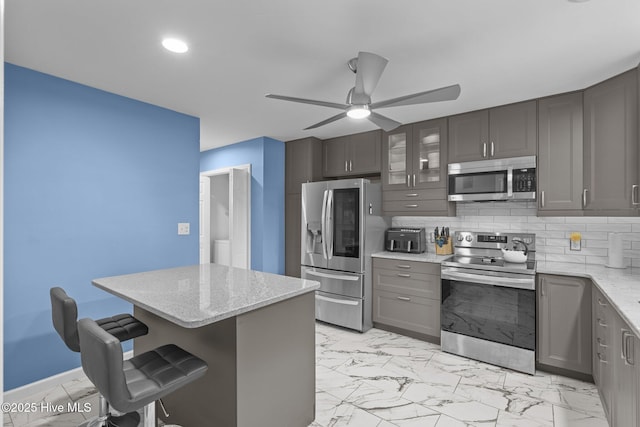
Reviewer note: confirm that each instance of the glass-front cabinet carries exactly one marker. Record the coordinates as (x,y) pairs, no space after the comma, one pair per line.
(412,156)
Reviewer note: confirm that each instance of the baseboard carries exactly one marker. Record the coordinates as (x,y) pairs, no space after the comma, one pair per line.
(19,394)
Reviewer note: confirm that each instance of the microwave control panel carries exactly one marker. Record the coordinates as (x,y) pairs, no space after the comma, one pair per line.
(524,180)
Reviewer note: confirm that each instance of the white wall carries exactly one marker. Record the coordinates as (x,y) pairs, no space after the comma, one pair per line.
(552,233)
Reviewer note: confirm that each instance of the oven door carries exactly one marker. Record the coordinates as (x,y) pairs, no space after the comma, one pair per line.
(492,306)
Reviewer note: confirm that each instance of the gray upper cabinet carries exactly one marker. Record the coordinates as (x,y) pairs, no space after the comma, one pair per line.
(414,172)
(501,132)
(303,163)
(468,136)
(513,130)
(560,155)
(611,146)
(351,155)
(564,322)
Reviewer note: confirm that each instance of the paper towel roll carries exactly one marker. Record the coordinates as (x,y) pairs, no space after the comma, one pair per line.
(616,253)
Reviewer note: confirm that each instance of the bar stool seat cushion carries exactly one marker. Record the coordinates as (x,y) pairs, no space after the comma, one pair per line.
(123,326)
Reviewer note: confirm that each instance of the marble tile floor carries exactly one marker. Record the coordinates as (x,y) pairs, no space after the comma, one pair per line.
(381,379)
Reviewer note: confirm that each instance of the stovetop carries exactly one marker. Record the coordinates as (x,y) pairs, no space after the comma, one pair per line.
(482,251)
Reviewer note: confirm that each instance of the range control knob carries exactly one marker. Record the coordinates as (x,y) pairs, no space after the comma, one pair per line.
(468,238)
(460,238)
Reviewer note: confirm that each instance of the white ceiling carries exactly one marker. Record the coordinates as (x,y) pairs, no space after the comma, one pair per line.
(499,51)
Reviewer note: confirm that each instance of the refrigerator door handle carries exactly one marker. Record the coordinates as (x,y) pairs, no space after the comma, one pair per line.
(323,224)
(330,224)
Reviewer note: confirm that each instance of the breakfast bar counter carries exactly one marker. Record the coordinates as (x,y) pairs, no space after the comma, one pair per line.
(255,330)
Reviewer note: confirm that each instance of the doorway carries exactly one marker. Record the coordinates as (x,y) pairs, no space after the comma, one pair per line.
(225,216)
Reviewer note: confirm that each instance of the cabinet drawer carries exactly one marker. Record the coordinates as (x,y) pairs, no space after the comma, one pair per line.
(415,207)
(410,195)
(405,282)
(413,313)
(407,266)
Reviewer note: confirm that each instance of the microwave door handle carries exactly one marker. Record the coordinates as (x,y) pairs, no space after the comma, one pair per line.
(509,182)
(323,224)
(330,224)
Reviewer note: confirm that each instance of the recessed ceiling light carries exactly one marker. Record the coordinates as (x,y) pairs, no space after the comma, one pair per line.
(175,45)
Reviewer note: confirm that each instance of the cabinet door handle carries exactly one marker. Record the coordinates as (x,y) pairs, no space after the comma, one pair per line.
(542,293)
(345,166)
(599,340)
(601,359)
(403,266)
(542,199)
(601,303)
(404,275)
(414,179)
(584,198)
(350,166)
(404,298)
(601,323)
(634,195)
(411,195)
(484,149)
(493,151)
(626,336)
(410,206)
(408,180)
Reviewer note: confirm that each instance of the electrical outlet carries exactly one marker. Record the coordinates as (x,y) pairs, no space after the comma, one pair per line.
(183,228)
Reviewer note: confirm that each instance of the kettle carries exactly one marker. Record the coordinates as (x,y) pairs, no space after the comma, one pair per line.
(514,255)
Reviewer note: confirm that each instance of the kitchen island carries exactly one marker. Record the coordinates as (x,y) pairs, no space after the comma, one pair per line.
(255,330)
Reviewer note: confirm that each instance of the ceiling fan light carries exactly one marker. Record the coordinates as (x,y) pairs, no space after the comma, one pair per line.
(358,111)
(175,45)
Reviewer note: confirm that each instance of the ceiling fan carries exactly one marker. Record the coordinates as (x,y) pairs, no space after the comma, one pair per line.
(368,68)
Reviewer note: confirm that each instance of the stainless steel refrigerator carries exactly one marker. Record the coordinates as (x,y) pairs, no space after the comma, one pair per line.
(342,225)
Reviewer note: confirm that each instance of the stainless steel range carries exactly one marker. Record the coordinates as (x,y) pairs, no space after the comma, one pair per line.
(488,310)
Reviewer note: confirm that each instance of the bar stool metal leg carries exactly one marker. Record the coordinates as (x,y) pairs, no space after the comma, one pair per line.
(149,416)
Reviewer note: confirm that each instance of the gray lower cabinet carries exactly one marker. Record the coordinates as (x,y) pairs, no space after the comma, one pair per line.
(611,146)
(564,322)
(616,370)
(303,163)
(603,349)
(560,155)
(352,155)
(406,295)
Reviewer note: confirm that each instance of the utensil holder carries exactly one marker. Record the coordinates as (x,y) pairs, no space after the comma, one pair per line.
(445,249)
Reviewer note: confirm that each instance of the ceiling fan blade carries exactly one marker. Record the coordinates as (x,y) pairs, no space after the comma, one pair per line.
(369,69)
(383,122)
(447,93)
(329,120)
(308,101)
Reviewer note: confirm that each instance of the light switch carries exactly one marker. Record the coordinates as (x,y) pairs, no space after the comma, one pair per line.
(183,228)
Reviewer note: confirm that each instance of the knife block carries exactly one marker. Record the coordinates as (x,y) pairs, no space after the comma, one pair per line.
(446,249)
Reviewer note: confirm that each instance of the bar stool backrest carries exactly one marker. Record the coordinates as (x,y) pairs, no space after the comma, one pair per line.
(102,362)
(64,313)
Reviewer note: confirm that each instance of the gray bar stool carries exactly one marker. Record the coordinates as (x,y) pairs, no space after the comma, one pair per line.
(130,385)
(64,314)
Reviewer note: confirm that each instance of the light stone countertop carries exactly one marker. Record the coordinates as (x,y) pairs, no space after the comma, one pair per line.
(620,286)
(199,295)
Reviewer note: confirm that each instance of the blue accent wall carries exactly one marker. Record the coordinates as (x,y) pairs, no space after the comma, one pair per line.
(266,156)
(95,184)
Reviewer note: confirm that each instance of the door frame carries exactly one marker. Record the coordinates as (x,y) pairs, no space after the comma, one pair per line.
(205,212)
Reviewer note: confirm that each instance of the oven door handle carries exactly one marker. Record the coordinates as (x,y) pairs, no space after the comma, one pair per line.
(507,282)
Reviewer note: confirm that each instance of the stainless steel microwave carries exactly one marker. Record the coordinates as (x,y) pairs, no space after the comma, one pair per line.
(497,179)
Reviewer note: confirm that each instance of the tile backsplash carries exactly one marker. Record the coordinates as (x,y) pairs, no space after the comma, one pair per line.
(552,233)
